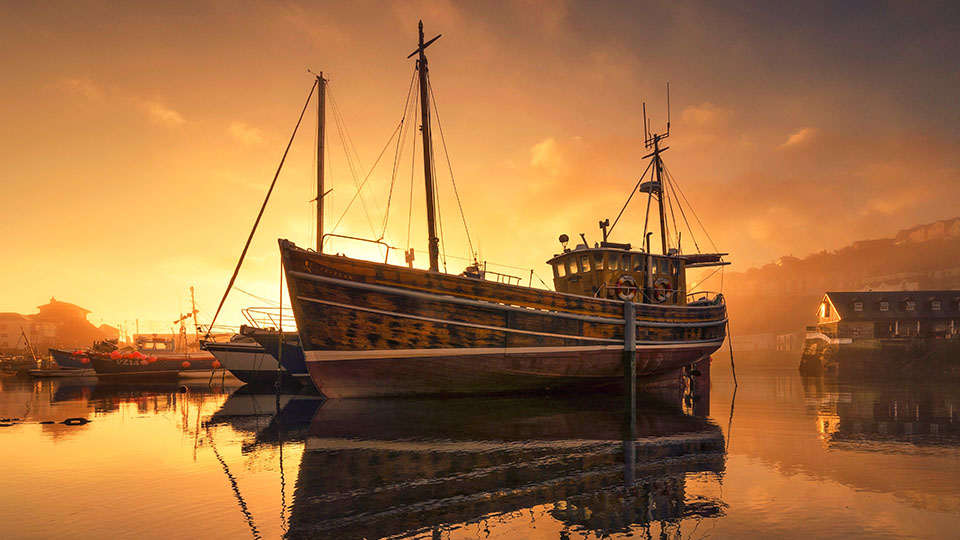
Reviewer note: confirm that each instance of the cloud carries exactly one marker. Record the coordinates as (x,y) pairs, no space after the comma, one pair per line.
(160,113)
(799,138)
(81,87)
(245,133)
(547,156)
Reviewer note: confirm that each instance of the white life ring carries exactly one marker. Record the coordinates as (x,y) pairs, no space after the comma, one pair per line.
(661,290)
(626,287)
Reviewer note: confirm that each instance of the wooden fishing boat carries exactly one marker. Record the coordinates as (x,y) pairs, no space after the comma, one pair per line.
(375,329)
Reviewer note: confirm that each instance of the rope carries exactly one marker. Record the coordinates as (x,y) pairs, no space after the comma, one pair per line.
(413,166)
(345,141)
(360,187)
(632,192)
(443,141)
(673,216)
(262,208)
(673,183)
(704,229)
(396,155)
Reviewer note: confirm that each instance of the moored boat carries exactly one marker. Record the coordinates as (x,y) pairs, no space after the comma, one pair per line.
(291,357)
(243,357)
(374,329)
(138,365)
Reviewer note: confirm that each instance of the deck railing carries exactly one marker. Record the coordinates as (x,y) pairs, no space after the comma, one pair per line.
(270,318)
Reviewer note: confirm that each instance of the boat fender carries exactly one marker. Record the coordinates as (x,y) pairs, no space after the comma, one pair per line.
(661,290)
(626,287)
(75,421)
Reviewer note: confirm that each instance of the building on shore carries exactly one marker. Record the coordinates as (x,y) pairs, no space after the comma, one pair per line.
(869,317)
(57,324)
(867,326)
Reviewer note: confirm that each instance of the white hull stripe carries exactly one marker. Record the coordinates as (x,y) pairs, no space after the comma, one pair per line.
(455,323)
(433,297)
(325,356)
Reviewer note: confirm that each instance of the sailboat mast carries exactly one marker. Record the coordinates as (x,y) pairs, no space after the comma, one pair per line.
(321,136)
(658,170)
(434,241)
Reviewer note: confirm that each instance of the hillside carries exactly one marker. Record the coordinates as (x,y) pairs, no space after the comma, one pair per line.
(782,297)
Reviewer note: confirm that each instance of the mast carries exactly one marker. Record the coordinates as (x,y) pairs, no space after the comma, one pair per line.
(658,170)
(193,311)
(321,135)
(433,240)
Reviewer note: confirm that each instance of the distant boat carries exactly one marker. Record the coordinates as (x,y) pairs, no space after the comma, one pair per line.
(375,329)
(248,361)
(77,359)
(136,364)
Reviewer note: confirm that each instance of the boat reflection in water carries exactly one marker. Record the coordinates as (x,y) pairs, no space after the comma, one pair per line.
(376,468)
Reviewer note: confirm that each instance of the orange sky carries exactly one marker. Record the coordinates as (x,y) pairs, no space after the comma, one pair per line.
(138,139)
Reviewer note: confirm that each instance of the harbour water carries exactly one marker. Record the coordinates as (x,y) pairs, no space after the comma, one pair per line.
(782,457)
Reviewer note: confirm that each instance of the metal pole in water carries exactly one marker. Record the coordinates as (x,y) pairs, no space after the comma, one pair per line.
(630,381)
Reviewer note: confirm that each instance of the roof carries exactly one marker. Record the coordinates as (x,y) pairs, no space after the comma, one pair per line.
(843,303)
(54,303)
(9,316)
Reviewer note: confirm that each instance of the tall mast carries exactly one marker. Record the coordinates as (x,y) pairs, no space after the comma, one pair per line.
(658,170)
(434,241)
(193,311)
(321,135)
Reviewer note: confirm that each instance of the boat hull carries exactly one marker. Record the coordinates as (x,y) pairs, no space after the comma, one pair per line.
(292,358)
(67,360)
(370,329)
(248,362)
(168,367)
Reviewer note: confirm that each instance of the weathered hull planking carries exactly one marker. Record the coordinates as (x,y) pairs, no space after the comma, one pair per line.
(370,329)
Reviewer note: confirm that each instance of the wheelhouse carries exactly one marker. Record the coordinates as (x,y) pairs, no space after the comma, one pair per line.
(621,274)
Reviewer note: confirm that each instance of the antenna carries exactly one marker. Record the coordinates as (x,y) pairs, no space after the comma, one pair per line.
(649,137)
(668,108)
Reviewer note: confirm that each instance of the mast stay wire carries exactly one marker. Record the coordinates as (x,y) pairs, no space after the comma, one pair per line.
(397,153)
(693,211)
(364,183)
(673,216)
(632,193)
(446,153)
(413,165)
(263,207)
(682,213)
(345,141)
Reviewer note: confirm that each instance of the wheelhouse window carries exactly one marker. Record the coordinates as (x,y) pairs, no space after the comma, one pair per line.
(626,262)
(858,306)
(598,261)
(573,268)
(585,263)
(613,261)
(884,305)
(560,269)
(637,263)
(664,267)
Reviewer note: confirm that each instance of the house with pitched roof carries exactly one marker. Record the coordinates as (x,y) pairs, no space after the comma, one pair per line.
(870,317)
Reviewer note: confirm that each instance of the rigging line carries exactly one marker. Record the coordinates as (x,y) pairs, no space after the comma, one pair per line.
(443,141)
(352,144)
(413,164)
(694,214)
(630,197)
(262,208)
(353,169)
(673,184)
(251,295)
(436,197)
(672,215)
(364,183)
(396,155)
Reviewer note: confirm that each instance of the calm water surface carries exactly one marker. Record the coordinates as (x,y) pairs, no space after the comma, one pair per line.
(784,457)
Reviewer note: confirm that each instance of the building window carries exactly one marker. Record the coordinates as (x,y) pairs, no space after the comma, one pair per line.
(911,305)
(858,306)
(824,310)
(935,305)
(884,305)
